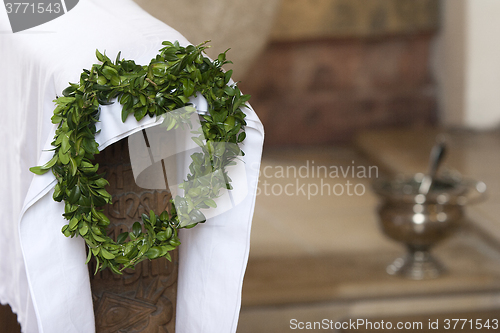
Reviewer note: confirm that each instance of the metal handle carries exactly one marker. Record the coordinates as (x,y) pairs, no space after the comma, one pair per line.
(435,159)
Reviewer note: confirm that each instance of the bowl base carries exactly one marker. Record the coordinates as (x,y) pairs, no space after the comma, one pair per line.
(416,265)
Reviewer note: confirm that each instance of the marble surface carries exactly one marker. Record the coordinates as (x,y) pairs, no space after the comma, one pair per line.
(344,277)
(326,212)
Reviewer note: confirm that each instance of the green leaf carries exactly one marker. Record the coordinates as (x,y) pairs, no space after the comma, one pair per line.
(73,223)
(122,260)
(154,252)
(188,88)
(50,163)
(102,217)
(103,193)
(83,230)
(136,229)
(63,101)
(172,123)
(69,90)
(198,142)
(106,254)
(229,123)
(162,236)
(74,195)
(125,113)
(197,216)
(89,256)
(229,91)
(101,182)
(38,170)
(241,137)
(102,80)
(65,230)
(227,76)
(167,248)
(164,216)
(140,113)
(116,80)
(117,60)
(73,166)
(90,145)
(56,119)
(152,217)
(210,203)
(99,55)
(143,250)
(174,242)
(109,72)
(63,157)
(99,238)
(122,237)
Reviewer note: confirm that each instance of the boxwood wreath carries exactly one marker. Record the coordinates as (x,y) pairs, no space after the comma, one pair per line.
(166,84)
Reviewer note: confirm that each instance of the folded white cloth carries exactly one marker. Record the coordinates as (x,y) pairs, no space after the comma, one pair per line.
(43,275)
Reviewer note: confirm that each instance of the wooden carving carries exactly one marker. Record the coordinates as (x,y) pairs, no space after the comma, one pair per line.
(142,299)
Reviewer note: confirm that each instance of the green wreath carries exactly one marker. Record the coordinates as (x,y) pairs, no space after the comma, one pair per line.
(166,84)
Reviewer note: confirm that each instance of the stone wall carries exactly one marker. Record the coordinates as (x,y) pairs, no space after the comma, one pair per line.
(300,19)
(336,67)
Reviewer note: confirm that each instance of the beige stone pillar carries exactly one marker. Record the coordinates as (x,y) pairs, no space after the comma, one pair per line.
(241,25)
(467,63)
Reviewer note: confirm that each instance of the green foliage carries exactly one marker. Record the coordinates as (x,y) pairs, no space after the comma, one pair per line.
(166,84)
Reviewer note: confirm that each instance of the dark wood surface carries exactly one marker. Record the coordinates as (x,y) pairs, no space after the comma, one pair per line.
(142,299)
(8,320)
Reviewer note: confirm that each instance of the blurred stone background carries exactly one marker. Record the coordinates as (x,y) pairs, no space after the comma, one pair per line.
(335,67)
(319,71)
(299,19)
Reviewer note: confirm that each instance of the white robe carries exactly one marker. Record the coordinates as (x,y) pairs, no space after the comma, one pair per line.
(43,275)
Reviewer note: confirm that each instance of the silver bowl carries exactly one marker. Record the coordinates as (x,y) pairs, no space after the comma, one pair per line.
(421,221)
